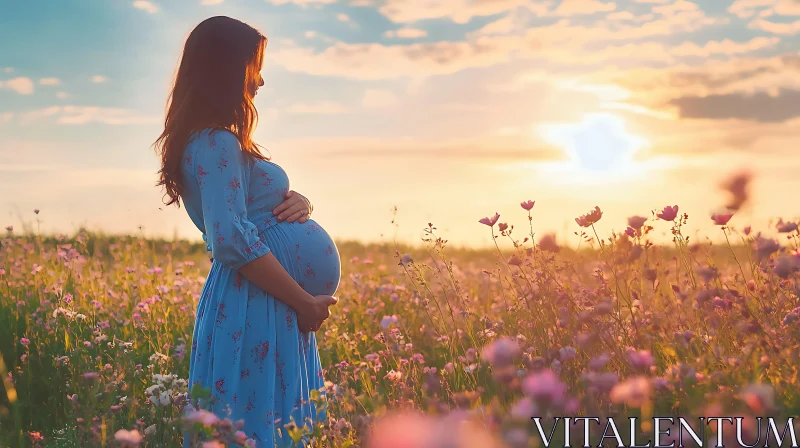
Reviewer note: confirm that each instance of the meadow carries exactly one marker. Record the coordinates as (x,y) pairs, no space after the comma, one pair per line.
(458,348)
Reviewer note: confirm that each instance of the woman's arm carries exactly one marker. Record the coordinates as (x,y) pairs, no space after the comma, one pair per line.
(222,171)
(268,274)
(295,207)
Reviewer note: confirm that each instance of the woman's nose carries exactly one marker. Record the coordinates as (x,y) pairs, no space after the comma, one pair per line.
(261,82)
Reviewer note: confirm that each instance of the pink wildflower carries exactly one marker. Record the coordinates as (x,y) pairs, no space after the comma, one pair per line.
(394,375)
(737,185)
(721,219)
(490,221)
(387,321)
(35,437)
(634,392)
(501,352)
(128,438)
(760,397)
(640,359)
(590,218)
(470,354)
(599,361)
(567,353)
(524,409)
(636,222)
(669,213)
(601,381)
(548,243)
(202,416)
(401,431)
(528,205)
(786,227)
(545,385)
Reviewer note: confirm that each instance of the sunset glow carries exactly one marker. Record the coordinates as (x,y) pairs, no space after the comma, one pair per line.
(371,106)
(598,144)
(469,222)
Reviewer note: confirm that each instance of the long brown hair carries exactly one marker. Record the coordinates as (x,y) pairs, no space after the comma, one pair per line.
(221,59)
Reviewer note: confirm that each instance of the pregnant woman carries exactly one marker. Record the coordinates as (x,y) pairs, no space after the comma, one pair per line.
(271,279)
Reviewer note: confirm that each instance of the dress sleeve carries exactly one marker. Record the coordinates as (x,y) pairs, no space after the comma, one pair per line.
(221,171)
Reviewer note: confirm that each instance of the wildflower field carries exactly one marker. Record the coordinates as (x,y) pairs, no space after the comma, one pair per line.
(460,348)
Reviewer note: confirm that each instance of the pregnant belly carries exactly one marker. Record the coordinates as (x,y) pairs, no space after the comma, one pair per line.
(308,253)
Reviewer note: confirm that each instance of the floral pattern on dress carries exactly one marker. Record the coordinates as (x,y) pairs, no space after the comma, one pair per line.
(247,348)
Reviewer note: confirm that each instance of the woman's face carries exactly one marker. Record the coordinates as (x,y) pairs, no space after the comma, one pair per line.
(255,86)
(258,82)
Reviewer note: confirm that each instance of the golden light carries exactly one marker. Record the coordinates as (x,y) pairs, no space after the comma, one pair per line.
(599,144)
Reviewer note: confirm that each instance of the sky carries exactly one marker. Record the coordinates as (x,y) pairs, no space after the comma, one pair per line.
(418,111)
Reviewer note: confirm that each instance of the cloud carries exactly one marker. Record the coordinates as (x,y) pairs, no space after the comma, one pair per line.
(758,89)
(62,95)
(375,61)
(740,75)
(8,69)
(321,108)
(77,115)
(726,47)
(378,99)
(344,18)
(757,107)
(459,11)
(502,26)
(516,21)
(560,42)
(776,28)
(6,117)
(146,6)
(211,2)
(302,3)
(97,79)
(583,7)
(49,81)
(21,85)
(748,8)
(787,8)
(663,84)
(621,15)
(406,33)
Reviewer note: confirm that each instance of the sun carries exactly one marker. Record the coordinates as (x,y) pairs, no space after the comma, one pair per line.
(599,144)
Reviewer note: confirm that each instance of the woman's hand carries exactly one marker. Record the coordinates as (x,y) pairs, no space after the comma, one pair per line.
(294,207)
(311,317)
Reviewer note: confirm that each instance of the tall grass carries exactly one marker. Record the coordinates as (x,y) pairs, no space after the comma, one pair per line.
(94,330)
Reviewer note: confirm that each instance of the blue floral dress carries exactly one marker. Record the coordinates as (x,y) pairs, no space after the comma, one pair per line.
(246,346)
